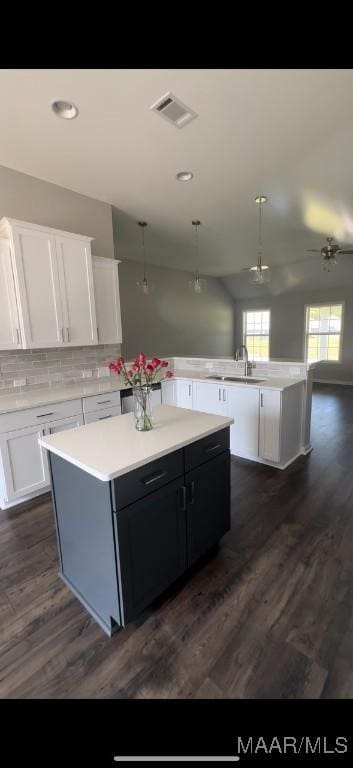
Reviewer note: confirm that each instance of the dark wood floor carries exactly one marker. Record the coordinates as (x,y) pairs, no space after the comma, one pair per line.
(268,615)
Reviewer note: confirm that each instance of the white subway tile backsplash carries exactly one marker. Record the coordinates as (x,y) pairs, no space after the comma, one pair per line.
(49,366)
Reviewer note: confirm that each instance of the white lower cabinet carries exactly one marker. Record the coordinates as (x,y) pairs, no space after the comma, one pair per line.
(169,392)
(24,462)
(270,424)
(102,414)
(63,424)
(210,397)
(243,406)
(184,393)
(24,469)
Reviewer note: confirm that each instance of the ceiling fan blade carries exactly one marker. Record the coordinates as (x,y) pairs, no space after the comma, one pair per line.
(246,269)
(313,250)
(344,251)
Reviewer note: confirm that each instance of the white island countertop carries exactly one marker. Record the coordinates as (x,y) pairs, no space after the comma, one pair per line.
(108,449)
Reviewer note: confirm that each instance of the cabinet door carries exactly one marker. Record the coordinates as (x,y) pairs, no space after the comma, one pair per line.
(76,287)
(169,392)
(208,508)
(36,275)
(184,397)
(10,337)
(211,398)
(107,300)
(62,424)
(151,547)
(243,406)
(270,424)
(25,464)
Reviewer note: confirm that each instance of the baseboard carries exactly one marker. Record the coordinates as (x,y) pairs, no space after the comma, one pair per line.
(333,381)
(30,496)
(258,460)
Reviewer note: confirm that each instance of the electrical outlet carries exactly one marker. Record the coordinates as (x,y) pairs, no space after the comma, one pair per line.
(87,374)
(103,371)
(20,382)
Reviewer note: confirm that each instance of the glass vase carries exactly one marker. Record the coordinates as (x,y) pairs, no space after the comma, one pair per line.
(143,408)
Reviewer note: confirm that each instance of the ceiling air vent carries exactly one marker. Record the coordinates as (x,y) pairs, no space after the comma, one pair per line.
(173,110)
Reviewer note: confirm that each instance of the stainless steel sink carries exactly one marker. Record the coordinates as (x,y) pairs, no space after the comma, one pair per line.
(245,379)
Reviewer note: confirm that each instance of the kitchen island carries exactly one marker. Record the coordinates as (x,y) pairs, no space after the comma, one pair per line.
(135,510)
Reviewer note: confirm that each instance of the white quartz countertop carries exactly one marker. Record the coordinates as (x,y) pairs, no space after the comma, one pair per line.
(108,449)
(265,382)
(55,394)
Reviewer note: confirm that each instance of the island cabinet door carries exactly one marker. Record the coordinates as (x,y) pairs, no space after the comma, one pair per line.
(208,505)
(151,547)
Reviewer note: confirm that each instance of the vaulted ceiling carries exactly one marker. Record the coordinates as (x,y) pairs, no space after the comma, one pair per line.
(286,133)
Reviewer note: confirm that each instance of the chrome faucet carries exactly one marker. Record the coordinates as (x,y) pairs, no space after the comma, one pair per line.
(239,355)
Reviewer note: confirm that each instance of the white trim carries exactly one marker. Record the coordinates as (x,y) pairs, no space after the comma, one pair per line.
(324,304)
(259,460)
(6,222)
(333,381)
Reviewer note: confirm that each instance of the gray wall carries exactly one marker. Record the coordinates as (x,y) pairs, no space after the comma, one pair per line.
(30,199)
(287,327)
(173,320)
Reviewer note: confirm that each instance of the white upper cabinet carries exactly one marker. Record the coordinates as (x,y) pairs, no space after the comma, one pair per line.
(10,335)
(36,277)
(52,288)
(76,288)
(107,300)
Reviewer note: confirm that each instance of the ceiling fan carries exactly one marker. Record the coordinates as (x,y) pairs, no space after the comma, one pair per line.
(329,253)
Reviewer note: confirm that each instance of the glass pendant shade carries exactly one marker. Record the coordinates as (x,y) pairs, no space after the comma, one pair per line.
(260,273)
(144,286)
(197,284)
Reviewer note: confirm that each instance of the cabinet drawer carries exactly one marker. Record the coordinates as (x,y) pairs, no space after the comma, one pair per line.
(142,481)
(205,449)
(104,413)
(39,415)
(96,402)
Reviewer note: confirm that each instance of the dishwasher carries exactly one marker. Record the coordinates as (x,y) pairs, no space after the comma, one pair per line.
(127,398)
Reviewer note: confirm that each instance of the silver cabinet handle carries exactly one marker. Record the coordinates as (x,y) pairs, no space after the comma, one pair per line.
(261,400)
(62,335)
(213,448)
(68,334)
(101,418)
(224,395)
(18,336)
(102,402)
(40,415)
(219,394)
(192,492)
(183,498)
(97,333)
(154,478)
(189,390)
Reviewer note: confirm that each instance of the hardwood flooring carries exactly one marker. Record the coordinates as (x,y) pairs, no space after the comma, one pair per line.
(266,615)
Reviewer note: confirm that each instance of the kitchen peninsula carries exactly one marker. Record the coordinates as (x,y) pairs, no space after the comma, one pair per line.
(134,510)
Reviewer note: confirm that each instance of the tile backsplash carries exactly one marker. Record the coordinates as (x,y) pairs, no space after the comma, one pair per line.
(44,367)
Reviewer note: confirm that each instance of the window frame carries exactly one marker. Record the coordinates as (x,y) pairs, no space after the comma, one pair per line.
(317,305)
(244,334)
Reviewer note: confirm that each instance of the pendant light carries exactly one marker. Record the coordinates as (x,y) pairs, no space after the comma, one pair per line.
(143,286)
(197,284)
(260,273)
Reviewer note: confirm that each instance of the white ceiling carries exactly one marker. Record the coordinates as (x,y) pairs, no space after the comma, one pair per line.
(287,133)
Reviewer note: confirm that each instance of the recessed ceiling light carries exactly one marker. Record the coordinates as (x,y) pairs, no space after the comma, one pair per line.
(184,176)
(64,109)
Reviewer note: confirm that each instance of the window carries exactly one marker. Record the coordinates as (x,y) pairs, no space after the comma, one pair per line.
(256,332)
(323,332)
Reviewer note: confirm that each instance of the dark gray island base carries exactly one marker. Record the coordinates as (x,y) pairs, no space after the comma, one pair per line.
(123,542)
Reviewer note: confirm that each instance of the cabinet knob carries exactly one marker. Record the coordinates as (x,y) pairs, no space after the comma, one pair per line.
(261,400)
